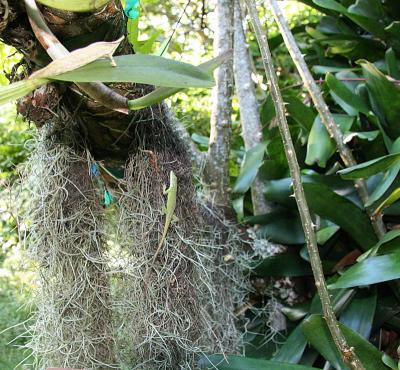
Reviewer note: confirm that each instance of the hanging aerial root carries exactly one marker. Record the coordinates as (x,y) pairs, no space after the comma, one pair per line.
(183,306)
(73,321)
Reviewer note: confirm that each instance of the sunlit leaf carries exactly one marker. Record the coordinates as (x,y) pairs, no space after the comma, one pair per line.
(146,69)
(75,5)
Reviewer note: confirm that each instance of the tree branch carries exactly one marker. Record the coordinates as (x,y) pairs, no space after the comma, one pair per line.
(340,341)
(96,90)
(249,114)
(216,169)
(325,114)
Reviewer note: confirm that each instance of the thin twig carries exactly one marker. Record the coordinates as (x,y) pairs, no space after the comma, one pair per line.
(340,341)
(96,90)
(325,114)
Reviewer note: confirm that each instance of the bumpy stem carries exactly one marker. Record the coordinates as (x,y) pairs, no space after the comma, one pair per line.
(322,108)
(338,337)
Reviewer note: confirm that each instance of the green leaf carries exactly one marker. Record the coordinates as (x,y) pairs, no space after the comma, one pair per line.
(386,94)
(392,198)
(388,237)
(369,168)
(342,212)
(19,89)
(384,184)
(281,226)
(320,146)
(341,90)
(359,314)
(293,349)
(161,93)
(221,362)
(252,161)
(238,206)
(317,332)
(146,69)
(373,270)
(288,264)
(392,64)
(301,113)
(75,5)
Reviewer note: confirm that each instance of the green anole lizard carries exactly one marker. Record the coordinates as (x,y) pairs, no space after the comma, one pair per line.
(169,213)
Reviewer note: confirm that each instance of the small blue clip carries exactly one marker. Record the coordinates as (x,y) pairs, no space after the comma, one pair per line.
(94,170)
(132,9)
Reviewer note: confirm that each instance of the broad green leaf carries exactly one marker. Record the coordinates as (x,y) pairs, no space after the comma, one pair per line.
(19,89)
(366,22)
(301,113)
(75,5)
(385,93)
(288,264)
(359,314)
(317,332)
(342,212)
(320,146)
(281,226)
(293,349)
(392,64)
(146,69)
(161,93)
(390,362)
(252,161)
(370,168)
(384,184)
(373,270)
(341,90)
(238,206)
(326,233)
(297,311)
(388,237)
(221,362)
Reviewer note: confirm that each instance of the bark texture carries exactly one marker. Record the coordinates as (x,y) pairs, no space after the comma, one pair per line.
(217,165)
(249,114)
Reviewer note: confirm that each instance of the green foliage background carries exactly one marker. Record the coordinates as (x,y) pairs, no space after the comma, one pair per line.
(353,47)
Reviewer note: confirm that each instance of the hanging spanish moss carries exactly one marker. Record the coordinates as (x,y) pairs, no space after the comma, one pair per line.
(180,305)
(65,222)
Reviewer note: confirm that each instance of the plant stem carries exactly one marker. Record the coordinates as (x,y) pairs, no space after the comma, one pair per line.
(323,109)
(340,341)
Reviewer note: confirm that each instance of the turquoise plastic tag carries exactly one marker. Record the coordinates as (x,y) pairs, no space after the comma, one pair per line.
(132,9)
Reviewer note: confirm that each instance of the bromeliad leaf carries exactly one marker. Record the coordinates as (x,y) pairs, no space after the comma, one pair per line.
(373,270)
(19,89)
(146,69)
(75,5)
(221,362)
(370,168)
(253,160)
(316,331)
(161,93)
(320,146)
(342,212)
